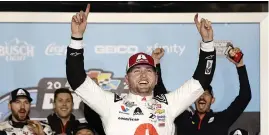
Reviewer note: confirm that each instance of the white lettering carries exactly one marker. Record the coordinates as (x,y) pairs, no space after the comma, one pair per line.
(53,49)
(168,48)
(48,101)
(141,57)
(16,50)
(115,49)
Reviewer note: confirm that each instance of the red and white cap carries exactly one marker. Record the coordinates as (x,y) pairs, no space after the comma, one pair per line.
(140,58)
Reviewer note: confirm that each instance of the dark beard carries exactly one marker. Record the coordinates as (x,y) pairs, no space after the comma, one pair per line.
(16,116)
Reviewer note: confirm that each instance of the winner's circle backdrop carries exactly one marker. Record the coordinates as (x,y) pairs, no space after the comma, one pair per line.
(32,56)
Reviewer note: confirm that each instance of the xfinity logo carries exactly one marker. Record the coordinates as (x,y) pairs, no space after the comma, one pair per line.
(168,48)
(115,49)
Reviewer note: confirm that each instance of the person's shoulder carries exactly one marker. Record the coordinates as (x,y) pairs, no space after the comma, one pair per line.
(4,123)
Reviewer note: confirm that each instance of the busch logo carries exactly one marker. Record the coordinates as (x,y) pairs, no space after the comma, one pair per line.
(53,49)
(16,50)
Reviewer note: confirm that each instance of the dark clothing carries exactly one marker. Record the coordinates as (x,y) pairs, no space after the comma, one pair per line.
(3,133)
(217,123)
(57,126)
(205,69)
(159,88)
(94,119)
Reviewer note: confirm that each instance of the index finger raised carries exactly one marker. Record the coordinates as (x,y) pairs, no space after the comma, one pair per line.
(196,19)
(87,11)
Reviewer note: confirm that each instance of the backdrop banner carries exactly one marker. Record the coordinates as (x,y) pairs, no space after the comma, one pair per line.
(32,56)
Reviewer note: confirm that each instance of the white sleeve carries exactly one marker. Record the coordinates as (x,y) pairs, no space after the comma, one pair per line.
(95,97)
(89,92)
(180,99)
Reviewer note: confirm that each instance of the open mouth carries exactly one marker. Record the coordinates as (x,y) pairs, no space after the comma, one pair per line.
(22,111)
(143,82)
(201,103)
(63,109)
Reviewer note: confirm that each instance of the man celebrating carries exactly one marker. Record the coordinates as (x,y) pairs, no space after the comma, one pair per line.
(206,122)
(62,121)
(19,123)
(94,119)
(139,112)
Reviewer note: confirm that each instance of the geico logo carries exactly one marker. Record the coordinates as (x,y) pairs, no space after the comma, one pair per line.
(121,49)
(53,49)
(49,97)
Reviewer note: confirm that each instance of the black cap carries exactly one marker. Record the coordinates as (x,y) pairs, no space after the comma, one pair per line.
(209,89)
(239,131)
(83,126)
(20,92)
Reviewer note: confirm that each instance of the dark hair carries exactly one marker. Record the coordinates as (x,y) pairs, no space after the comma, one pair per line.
(62,90)
(81,126)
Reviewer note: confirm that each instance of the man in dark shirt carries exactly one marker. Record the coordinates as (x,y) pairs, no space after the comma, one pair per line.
(206,122)
(62,121)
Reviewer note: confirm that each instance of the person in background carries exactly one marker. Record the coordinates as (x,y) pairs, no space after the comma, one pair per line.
(62,121)
(19,122)
(206,122)
(84,129)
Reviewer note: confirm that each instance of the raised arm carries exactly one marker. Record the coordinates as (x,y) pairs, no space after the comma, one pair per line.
(240,103)
(157,54)
(84,86)
(180,99)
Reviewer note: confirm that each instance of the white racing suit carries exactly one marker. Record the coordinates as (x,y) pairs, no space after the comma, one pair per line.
(13,128)
(133,114)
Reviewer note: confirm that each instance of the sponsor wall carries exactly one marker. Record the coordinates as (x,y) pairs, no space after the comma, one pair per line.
(32,56)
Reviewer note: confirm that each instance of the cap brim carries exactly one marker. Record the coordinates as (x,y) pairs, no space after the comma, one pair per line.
(142,63)
(29,98)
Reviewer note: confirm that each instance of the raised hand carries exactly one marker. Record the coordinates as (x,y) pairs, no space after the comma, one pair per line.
(79,23)
(157,54)
(232,53)
(205,29)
